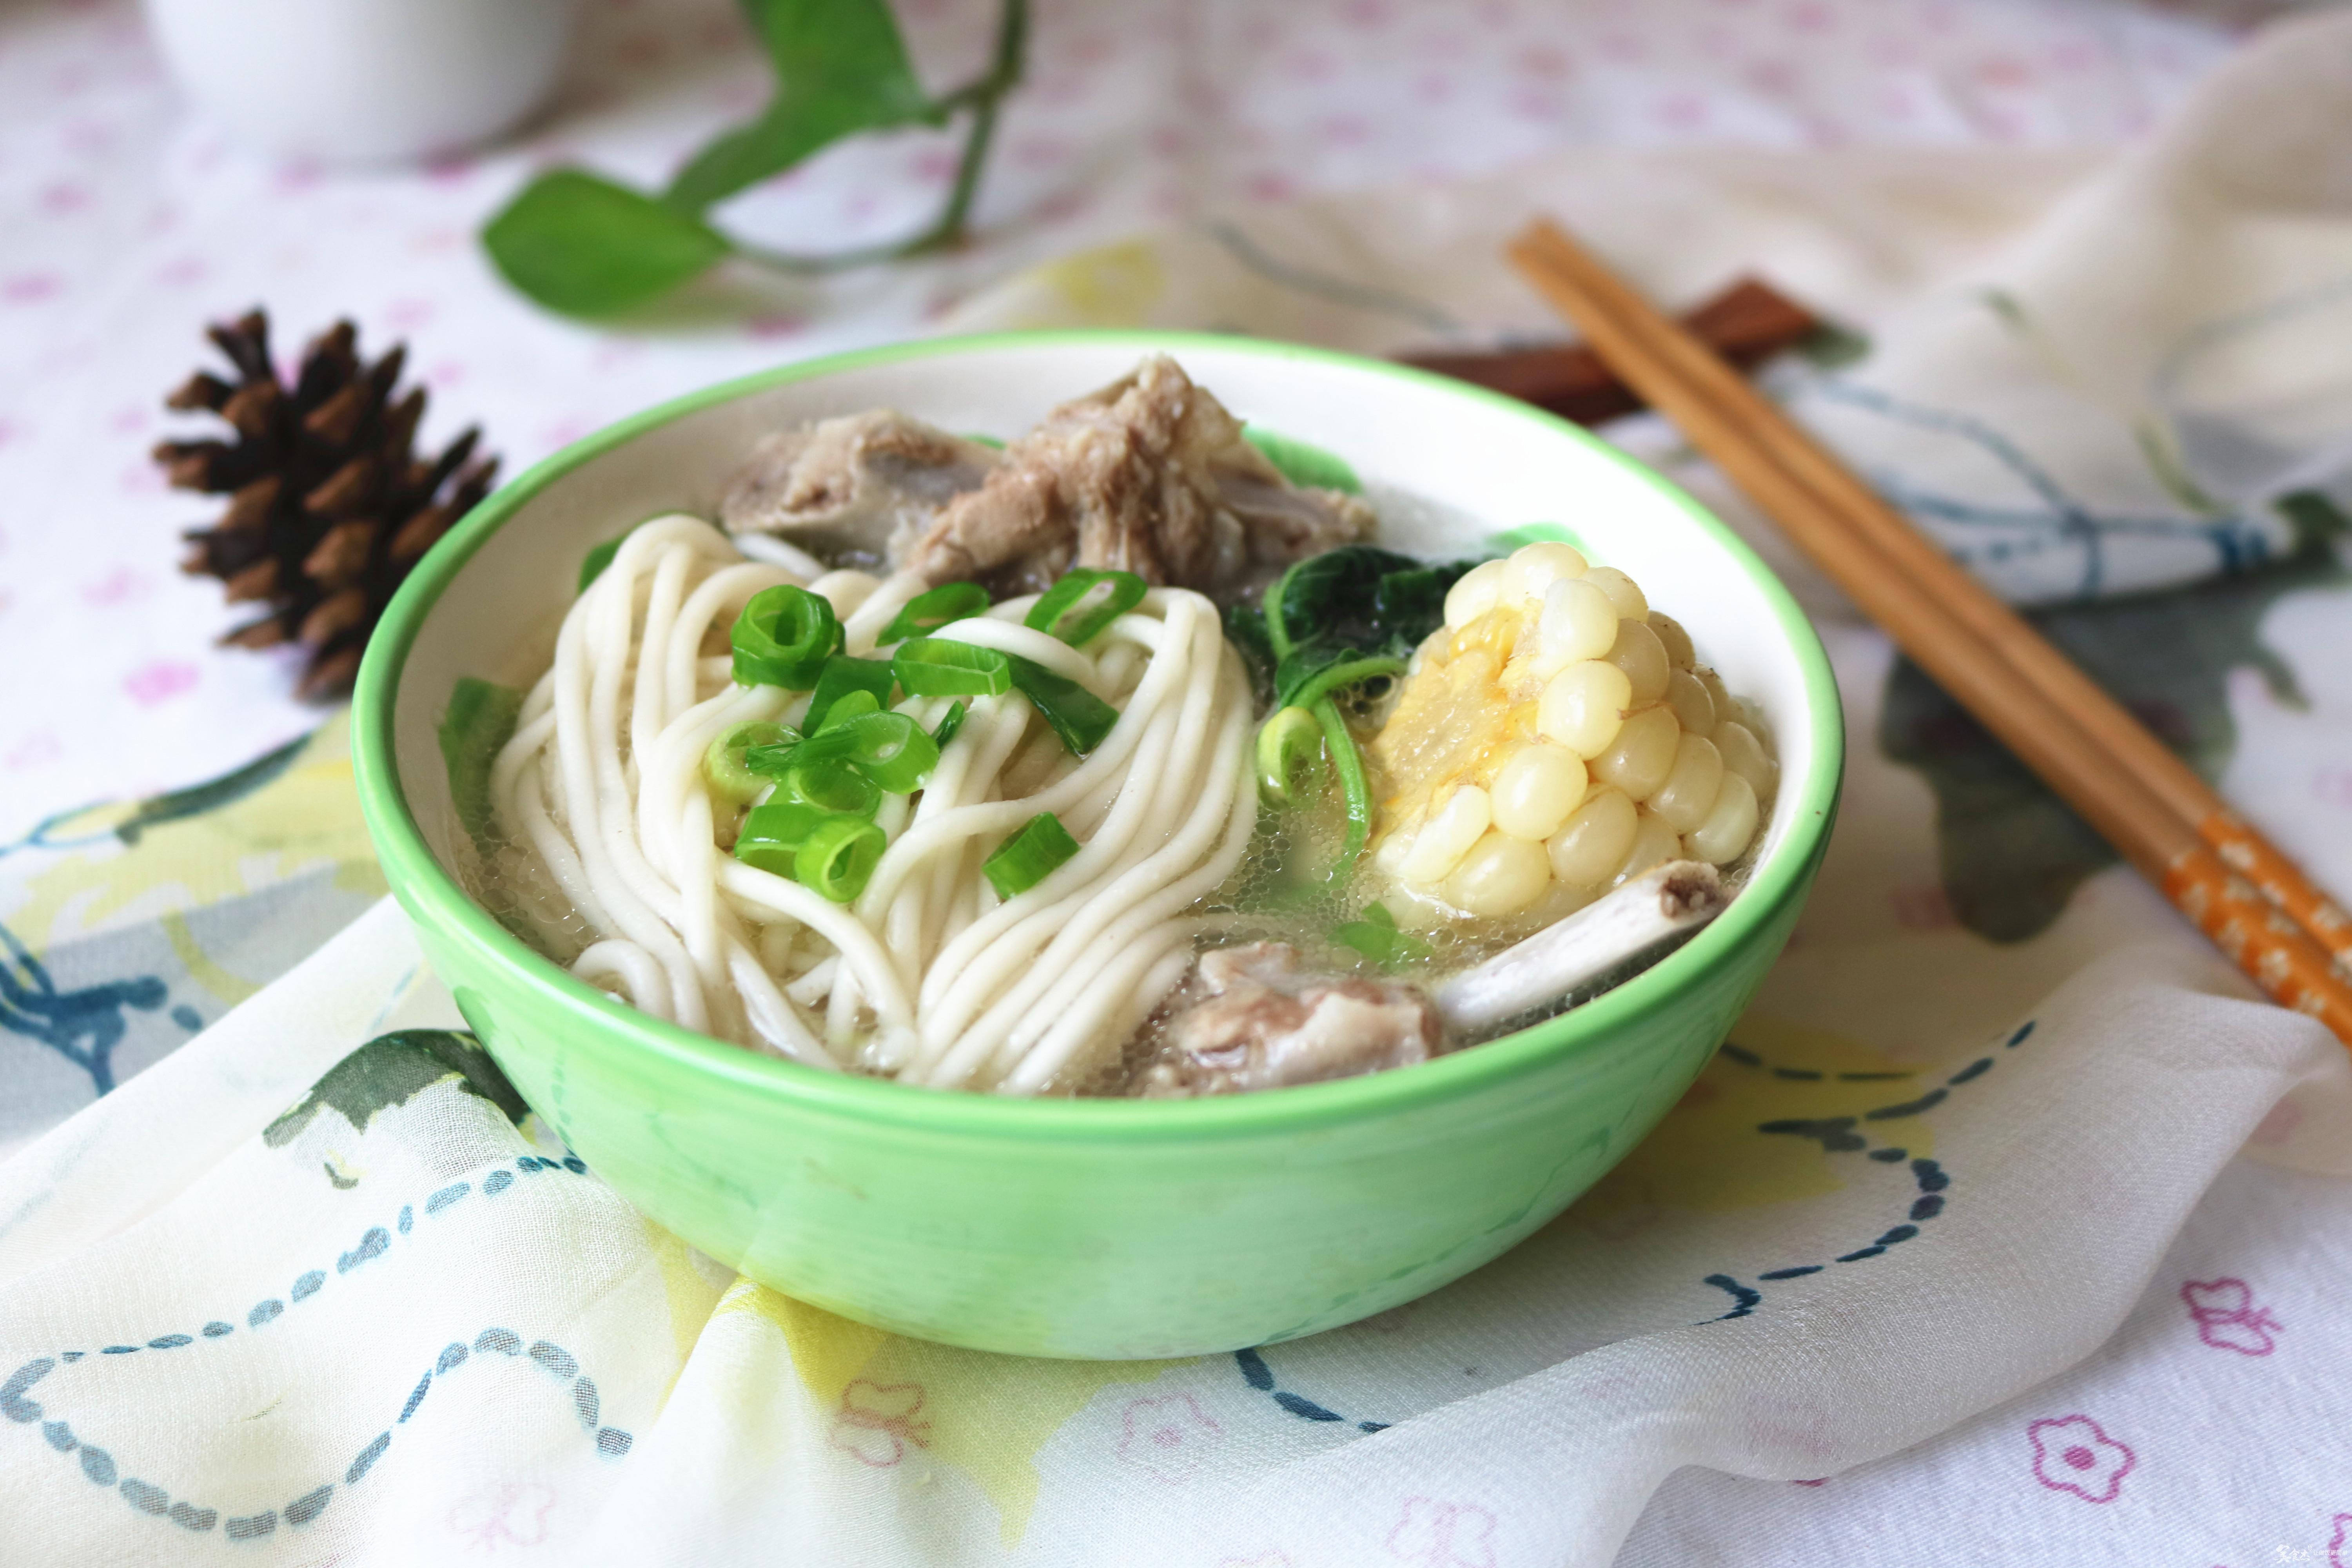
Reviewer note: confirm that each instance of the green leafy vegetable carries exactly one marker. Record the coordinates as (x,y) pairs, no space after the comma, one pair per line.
(1030,856)
(783,637)
(842,677)
(1331,626)
(1356,604)
(1304,465)
(935,666)
(723,765)
(578,243)
(1290,758)
(927,612)
(1354,787)
(481,722)
(1077,609)
(1078,715)
(1377,938)
(592,564)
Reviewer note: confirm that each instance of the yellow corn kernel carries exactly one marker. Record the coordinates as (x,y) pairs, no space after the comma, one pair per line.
(1583,706)
(1500,876)
(1744,754)
(1537,789)
(1654,844)
(1725,705)
(1694,709)
(1723,837)
(1578,622)
(1594,841)
(1679,651)
(1689,794)
(1621,590)
(1447,835)
(1533,568)
(1639,759)
(1473,594)
(1638,652)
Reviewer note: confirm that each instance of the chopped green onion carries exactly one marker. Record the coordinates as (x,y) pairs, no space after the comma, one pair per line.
(1078,715)
(1030,856)
(723,765)
(783,637)
(481,722)
(837,857)
(830,783)
(1298,685)
(927,612)
(773,834)
(1377,938)
(889,748)
(936,666)
(1083,603)
(949,723)
(1289,755)
(842,677)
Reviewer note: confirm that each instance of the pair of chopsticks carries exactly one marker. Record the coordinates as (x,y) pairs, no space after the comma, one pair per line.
(2244,894)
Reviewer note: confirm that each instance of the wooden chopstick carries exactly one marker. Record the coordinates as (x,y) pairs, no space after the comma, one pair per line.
(2155,809)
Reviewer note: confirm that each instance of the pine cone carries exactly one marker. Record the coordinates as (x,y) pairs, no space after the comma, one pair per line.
(329,506)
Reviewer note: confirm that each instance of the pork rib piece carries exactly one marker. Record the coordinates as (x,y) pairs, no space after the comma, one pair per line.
(1148,474)
(1247,1019)
(860,489)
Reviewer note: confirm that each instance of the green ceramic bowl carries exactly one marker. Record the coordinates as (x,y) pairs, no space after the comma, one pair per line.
(1095,1228)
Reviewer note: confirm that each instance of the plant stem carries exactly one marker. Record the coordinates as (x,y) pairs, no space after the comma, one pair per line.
(984,97)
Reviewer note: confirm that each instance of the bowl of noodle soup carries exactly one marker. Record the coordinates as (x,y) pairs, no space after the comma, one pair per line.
(1015,1221)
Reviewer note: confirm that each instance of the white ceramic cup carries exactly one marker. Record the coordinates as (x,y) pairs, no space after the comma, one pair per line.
(363,81)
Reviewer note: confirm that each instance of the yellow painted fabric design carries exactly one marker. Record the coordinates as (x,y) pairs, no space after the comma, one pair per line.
(305,817)
(1708,1155)
(1115,286)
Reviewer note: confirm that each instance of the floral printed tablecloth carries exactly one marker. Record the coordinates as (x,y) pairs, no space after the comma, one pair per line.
(1951,1254)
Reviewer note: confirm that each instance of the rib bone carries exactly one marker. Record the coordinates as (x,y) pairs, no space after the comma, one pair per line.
(1657,907)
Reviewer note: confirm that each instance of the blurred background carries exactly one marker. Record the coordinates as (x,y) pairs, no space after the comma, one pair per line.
(165,167)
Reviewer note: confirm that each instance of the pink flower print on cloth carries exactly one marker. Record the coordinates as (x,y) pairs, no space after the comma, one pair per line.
(2339,1545)
(1439,1534)
(2227,1317)
(2071,1454)
(876,1421)
(1168,1437)
(513,1513)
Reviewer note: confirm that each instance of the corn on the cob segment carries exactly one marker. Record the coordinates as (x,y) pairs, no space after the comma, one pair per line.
(1554,738)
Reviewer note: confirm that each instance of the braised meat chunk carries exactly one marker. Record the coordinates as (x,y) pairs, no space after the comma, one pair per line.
(859,490)
(1149,475)
(1248,1019)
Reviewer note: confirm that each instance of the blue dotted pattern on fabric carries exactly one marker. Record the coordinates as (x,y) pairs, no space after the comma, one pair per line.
(99,1465)
(1845,1135)
(1258,1375)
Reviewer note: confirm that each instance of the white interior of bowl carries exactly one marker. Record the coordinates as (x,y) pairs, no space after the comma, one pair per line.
(1490,467)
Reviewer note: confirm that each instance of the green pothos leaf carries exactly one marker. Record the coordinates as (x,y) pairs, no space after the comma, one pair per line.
(2011,852)
(578,242)
(389,1070)
(841,68)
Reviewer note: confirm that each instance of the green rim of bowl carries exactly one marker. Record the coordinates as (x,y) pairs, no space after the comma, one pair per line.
(431,894)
